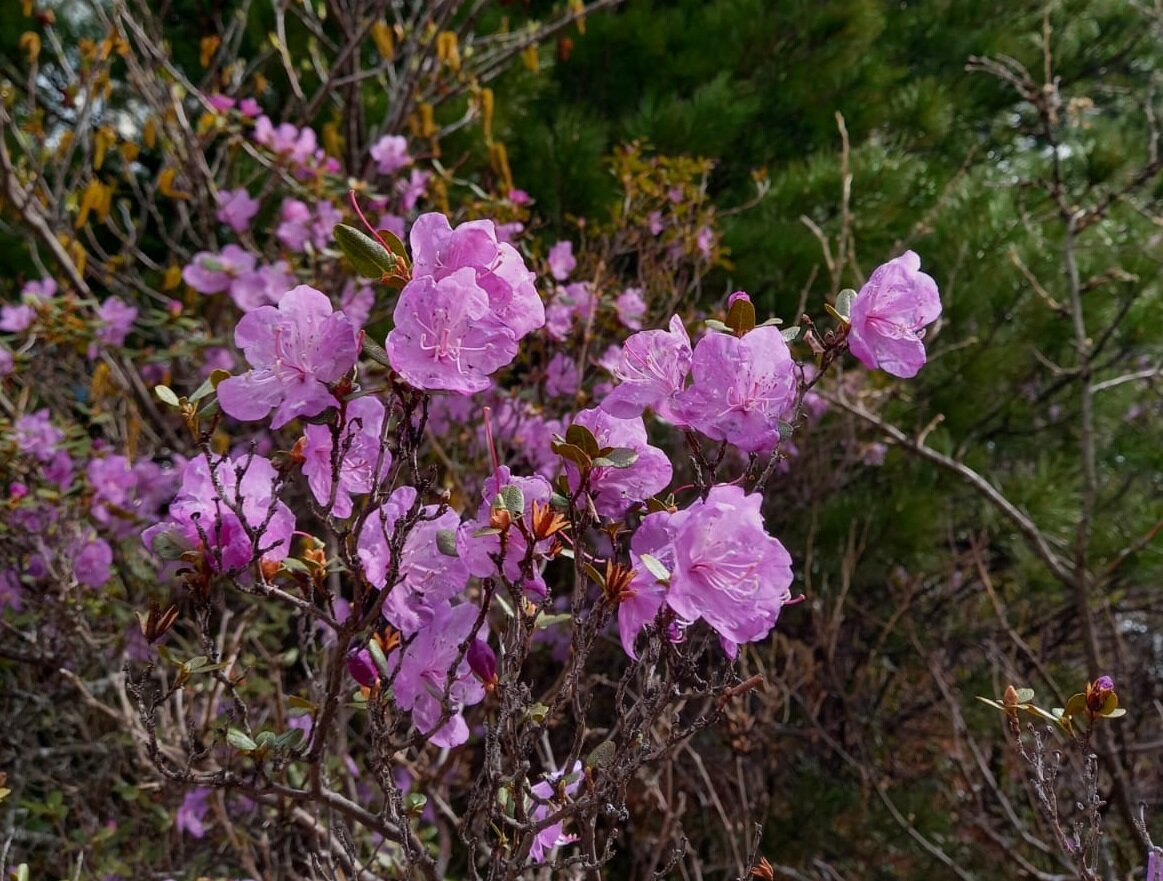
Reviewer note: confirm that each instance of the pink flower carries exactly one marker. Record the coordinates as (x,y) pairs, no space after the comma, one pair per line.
(14,319)
(447,337)
(641,602)
(390,153)
(424,673)
(561,260)
(630,308)
(547,792)
(726,569)
(38,291)
(705,240)
(357,300)
(479,552)
(296,144)
(236,209)
(116,317)
(561,376)
(36,435)
(93,561)
(249,107)
(652,369)
(221,103)
(204,519)
(655,222)
(7,361)
(264,286)
(191,816)
(889,313)
(615,489)
(210,273)
(426,576)
(412,189)
(296,349)
(360,439)
(438,250)
(742,388)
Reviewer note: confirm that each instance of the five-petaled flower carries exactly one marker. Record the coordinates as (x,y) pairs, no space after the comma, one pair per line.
(297,350)
(896,303)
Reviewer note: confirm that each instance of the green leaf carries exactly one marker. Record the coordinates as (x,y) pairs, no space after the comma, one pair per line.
(206,388)
(584,439)
(368,257)
(167,395)
(601,755)
(655,567)
(377,653)
(240,740)
(446,542)
(1025,695)
(716,324)
(538,713)
(486,530)
(791,334)
(376,352)
(544,622)
(414,802)
(741,316)
(620,457)
(291,739)
(844,301)
(574,453)
(513,499)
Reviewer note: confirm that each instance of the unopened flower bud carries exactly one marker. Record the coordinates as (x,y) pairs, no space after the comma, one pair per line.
(483,662)
(1010,697)
(1097,693)
(362,668)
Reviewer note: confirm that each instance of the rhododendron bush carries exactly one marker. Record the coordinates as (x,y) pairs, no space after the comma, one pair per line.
(396,534)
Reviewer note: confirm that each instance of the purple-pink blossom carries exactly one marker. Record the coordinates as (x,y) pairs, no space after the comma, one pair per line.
(210,273)
(631,308)
(36,435)
(561,260)
(116,317)
(889,314)
(425,577)
(296,350)
(614,490)
(390,153)
(438,250)
(724,569)
(548,794)
(447,336)
(359,441)
(424,676)
(651,370)
(286,140)
(205,517)
(191,816)
(742,389)
(236,209)
(263,286)
(16,318)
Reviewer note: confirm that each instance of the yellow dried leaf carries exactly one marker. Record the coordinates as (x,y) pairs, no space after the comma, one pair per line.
(427,120)
(30,43)
(173,277)
(447,50)
(578,8)
(332,142)
(149,134)
(499,157)
(385,40)
(102,141)
(129,151)
(209,47)
(488,102)
(531,59)
(101,386)
(165,185)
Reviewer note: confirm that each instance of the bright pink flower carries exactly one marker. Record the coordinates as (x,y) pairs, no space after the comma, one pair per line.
(561,376)
(202,518)
(14,319)
(296,349)
(615,489)
(438,250)
(447,337)
(286,140)
(426,576)
(424,673)
(263,286)
(36,435)
(725,569)
(742,388)
(561,260)
(210,273)
(547,791)
(92,561)
(652,369)
(630,308)
(116,317)
(390,153)
(191,816)
(38,291)
(360,438)
(412,189)
(888,315)
(236,209)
